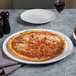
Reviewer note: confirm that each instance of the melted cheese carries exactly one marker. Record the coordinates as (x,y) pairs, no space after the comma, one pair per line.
(39,43)
(26,37)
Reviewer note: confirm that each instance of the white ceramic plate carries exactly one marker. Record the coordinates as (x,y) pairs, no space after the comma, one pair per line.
(38,16)
(67,51)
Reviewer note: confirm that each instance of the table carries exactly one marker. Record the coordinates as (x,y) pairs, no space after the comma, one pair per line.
(65,67)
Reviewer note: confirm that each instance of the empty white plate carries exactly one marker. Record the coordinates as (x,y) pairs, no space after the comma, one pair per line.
(67,51)
(38,16)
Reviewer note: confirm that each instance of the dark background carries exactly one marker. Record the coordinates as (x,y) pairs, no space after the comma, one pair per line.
(11,4)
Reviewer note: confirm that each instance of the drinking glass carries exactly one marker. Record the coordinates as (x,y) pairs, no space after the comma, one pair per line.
(59,5)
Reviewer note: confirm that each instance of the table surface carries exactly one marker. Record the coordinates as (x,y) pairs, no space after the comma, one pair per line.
(64,23)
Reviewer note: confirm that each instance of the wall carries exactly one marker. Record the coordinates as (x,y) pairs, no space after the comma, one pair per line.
(41,3)
(33,3)
(6,4)
(70,3)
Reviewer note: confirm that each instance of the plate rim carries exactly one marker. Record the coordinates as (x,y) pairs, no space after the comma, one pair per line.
(6,51)
(39,22)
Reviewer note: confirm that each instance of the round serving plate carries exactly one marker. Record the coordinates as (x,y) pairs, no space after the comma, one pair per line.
(67,51)
(38,16)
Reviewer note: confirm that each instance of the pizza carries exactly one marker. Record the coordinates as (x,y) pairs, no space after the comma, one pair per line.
(36,45)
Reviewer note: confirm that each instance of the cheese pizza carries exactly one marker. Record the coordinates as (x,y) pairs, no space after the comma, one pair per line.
(36,45)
